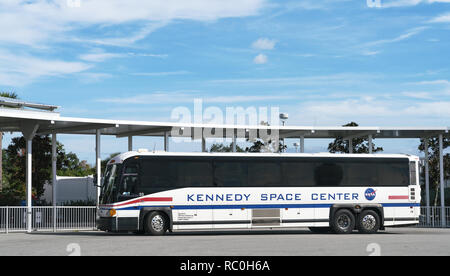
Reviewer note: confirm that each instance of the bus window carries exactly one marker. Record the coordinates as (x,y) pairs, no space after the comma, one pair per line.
(230,174)
(264,174)
(158,175)
(328,174)
(298,174)
(394,173)
(360,174)
(196,174)
(130,181)
(110,182)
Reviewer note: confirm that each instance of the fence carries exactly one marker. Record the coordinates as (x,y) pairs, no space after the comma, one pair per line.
(434,219)
(60,218)
(14,219)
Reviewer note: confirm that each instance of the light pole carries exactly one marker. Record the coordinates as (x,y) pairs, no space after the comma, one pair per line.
(296,147)
(283,118)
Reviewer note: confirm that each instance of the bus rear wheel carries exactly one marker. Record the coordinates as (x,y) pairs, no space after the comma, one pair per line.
(343,222)
(368,222)
(156,223)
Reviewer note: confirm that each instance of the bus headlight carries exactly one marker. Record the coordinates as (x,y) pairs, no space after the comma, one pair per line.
(112,212)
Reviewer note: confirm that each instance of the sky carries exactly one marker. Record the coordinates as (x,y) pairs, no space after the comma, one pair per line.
(324,62)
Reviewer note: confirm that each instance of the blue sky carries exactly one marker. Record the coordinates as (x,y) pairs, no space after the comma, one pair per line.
(324,62)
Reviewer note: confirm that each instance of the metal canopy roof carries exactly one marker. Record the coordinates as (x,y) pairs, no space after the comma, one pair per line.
(14,120)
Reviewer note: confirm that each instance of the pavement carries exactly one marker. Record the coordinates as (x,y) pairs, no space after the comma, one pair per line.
(297,242)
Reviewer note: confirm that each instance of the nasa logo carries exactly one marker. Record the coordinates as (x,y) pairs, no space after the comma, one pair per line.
(370,194)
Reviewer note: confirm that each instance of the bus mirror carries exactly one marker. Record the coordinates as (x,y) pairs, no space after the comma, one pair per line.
(95,181)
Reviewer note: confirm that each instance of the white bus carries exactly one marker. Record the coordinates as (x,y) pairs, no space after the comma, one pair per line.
(159,192)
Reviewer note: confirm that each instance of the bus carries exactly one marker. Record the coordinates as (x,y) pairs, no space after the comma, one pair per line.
(157,192)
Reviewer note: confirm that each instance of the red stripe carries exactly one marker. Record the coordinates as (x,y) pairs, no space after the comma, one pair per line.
(140,200)
(399,197)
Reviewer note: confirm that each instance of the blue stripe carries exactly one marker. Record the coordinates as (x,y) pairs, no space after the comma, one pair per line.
(261,206)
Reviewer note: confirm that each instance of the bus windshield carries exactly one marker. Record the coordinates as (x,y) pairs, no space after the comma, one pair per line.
(110,181)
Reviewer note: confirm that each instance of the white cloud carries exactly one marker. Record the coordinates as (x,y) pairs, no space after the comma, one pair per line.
(408,3)
(18,70)
(408,34)
(370,53)
(443,18)
(264,44)
(260,59)
(417,95)
(99,56)
(162,74)
(188,97)
(34,22)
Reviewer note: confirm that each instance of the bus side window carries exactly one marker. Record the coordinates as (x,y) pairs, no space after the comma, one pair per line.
(130,179)
(328,174)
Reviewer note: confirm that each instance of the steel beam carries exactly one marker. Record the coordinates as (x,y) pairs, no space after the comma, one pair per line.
(441,178)
(98,163)
(145,131)
(130,143)
(427,179)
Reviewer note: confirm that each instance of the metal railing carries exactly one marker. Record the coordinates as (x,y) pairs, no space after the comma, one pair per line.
(59,218)
(434,217)
(14,219)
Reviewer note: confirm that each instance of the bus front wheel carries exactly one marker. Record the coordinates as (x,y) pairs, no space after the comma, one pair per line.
(156,223)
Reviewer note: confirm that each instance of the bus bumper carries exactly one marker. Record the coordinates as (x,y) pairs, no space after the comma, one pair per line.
(115,224)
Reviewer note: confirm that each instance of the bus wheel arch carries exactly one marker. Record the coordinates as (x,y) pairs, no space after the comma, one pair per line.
(164,211)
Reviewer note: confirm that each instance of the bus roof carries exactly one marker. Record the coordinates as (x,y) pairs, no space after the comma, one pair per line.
(124,156)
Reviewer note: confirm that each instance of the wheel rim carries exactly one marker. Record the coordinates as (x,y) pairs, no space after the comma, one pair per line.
(157,223)
(343,222)
(369,222)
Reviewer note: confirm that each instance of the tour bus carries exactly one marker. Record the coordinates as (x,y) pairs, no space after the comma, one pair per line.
(156,192)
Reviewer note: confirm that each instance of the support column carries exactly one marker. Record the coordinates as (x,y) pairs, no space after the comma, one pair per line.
(166,141)
(302,144)
(203,144)
(441,177)
(29,184)
(54,159)
(427,180)
(98,163)
(350,146)
(130,143)
(29,131)
(370,144)
(234,141)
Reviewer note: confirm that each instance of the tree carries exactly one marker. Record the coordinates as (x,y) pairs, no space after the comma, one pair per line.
(12,96)
(433,165)
(360,145)
(223,148)
(67,164)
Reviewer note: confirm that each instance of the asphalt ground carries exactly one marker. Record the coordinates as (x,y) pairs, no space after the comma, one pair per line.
(298,242)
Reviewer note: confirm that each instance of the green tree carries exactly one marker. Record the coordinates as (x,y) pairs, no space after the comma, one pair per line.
(224,148)
(360,145)
(12,96)
(67,164)
(433,165)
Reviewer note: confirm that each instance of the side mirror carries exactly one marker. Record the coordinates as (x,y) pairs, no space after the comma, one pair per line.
(95,181)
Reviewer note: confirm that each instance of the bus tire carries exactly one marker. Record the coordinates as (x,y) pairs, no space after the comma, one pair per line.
(343,222)
(368,222)
(156,223)
(319,230)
